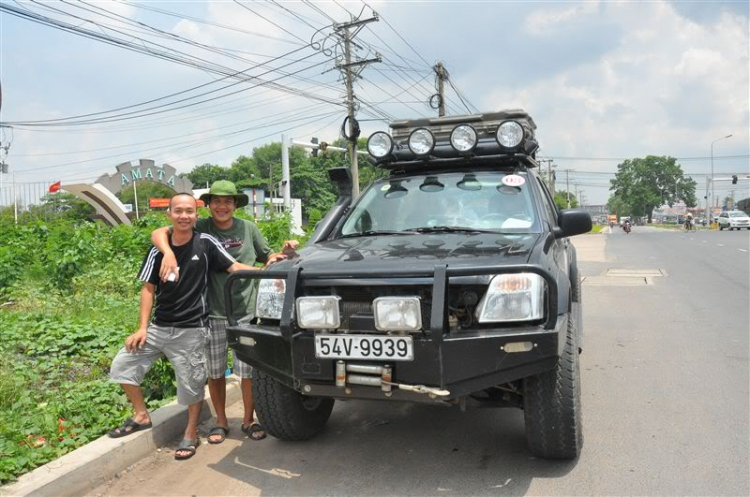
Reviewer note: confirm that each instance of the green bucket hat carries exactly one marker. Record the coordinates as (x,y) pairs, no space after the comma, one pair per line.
(224,188)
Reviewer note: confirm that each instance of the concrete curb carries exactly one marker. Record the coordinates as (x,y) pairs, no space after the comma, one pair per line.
(94,464)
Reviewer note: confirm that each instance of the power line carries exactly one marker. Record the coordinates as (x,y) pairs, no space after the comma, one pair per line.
(173,55)
(268,20)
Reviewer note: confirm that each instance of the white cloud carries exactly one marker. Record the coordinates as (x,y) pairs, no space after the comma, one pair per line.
(540,21)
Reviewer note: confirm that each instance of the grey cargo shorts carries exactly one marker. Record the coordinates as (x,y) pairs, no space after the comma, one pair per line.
(185,348)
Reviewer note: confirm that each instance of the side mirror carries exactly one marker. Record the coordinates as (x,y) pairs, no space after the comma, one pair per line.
(573,222)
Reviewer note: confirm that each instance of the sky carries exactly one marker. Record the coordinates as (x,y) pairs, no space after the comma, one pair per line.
(604,81)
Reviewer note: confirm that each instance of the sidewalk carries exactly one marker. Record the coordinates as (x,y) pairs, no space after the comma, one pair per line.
(92,465)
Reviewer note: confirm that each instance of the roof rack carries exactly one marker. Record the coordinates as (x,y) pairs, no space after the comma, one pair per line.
(456,140)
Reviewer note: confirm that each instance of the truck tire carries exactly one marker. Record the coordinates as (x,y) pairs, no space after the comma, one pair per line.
(285,413)
(552,405)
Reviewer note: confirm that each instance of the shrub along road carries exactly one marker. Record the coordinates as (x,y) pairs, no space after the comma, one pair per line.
(665,397)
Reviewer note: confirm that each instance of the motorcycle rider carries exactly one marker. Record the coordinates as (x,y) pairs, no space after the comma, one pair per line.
(689,222)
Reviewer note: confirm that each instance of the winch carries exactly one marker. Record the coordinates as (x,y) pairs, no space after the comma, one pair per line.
(373,375)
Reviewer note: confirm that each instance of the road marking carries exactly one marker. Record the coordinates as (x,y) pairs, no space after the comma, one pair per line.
(719,245)
(704,241)
(742,250)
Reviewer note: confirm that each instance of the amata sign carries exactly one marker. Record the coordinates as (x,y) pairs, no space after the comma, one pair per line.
(145,170)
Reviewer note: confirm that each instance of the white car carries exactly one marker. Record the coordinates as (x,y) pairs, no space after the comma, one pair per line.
(733,220)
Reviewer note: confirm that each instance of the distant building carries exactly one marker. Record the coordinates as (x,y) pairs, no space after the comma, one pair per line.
(598,213)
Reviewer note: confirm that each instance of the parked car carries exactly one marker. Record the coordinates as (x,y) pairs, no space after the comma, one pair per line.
(734,220)
(450,282)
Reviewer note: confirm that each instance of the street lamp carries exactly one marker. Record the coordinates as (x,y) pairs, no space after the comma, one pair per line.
(713,190)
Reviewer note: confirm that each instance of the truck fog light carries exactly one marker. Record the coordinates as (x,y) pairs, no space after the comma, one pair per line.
(512,297)
(463,138)
(318,313)
(509,134)
(421,142)
(397,314)
(380,144)
(270,300)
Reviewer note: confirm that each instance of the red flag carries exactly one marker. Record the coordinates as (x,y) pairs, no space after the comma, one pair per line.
(54,187)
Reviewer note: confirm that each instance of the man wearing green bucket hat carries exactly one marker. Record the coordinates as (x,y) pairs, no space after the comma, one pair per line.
(244,241)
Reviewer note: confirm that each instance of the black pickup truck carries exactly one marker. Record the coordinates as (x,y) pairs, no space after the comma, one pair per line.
(451,282)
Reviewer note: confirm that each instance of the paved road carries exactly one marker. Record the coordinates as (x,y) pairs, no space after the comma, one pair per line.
(665,392)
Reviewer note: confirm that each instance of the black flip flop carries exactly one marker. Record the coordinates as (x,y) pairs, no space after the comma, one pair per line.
(218,431)
(254,431)
(123,431)
(187,445)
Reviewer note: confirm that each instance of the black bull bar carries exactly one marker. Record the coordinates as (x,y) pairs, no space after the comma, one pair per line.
(520,364)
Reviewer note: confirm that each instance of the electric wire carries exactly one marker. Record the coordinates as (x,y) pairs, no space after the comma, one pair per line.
(268,20)
(192,144)
(87,33)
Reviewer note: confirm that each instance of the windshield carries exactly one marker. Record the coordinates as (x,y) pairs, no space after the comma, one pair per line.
(737,214)
(478,202)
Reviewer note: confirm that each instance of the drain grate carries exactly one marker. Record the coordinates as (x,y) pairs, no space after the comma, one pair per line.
(624,277)
(639,273)
(620,281)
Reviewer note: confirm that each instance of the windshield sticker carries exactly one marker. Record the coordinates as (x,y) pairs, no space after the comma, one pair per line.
(513,180)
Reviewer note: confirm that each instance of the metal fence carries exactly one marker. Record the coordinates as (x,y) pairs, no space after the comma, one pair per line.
(22,196)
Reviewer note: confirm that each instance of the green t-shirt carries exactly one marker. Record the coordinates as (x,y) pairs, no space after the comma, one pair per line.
(246,244)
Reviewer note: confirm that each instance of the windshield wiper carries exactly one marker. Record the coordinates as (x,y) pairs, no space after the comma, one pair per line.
(375,233)
(451,229)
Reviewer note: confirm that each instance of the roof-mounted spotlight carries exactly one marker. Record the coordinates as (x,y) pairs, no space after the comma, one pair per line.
(464,138)
(380,144)
(509,134)
(421,142)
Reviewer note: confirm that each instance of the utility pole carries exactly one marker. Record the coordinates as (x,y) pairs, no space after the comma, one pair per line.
(567,185)
(350,73)
(285,173)
(442,75)
(550,174)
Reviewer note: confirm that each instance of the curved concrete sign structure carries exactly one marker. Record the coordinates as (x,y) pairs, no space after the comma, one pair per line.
(101,194)
(106,204)
(145,170)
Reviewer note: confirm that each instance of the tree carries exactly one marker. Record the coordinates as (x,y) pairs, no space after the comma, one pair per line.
(644,184)
(561,199)
(146,190)
(206,174)
(61,205)
(616,205)
(245,174)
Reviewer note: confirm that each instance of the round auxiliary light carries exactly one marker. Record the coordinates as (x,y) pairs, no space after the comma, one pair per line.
(463,138)
(509,134)
(421,142)
(380,144)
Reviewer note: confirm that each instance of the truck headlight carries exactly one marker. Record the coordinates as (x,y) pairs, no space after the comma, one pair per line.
(270,298)
(512,297)
(318,313)
(380,144)
(509,134)
(397,314)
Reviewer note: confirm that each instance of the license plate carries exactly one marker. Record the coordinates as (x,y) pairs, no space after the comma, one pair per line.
(391,348)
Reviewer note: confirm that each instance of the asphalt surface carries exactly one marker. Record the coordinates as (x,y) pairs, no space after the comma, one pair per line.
(665,402)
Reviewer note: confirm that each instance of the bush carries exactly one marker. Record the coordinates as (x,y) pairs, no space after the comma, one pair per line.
(69,298)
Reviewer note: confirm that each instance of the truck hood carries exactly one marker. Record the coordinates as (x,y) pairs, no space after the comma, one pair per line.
(416,251)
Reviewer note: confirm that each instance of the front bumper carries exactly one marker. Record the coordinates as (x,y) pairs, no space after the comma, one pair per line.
(464,363)
(458,362)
